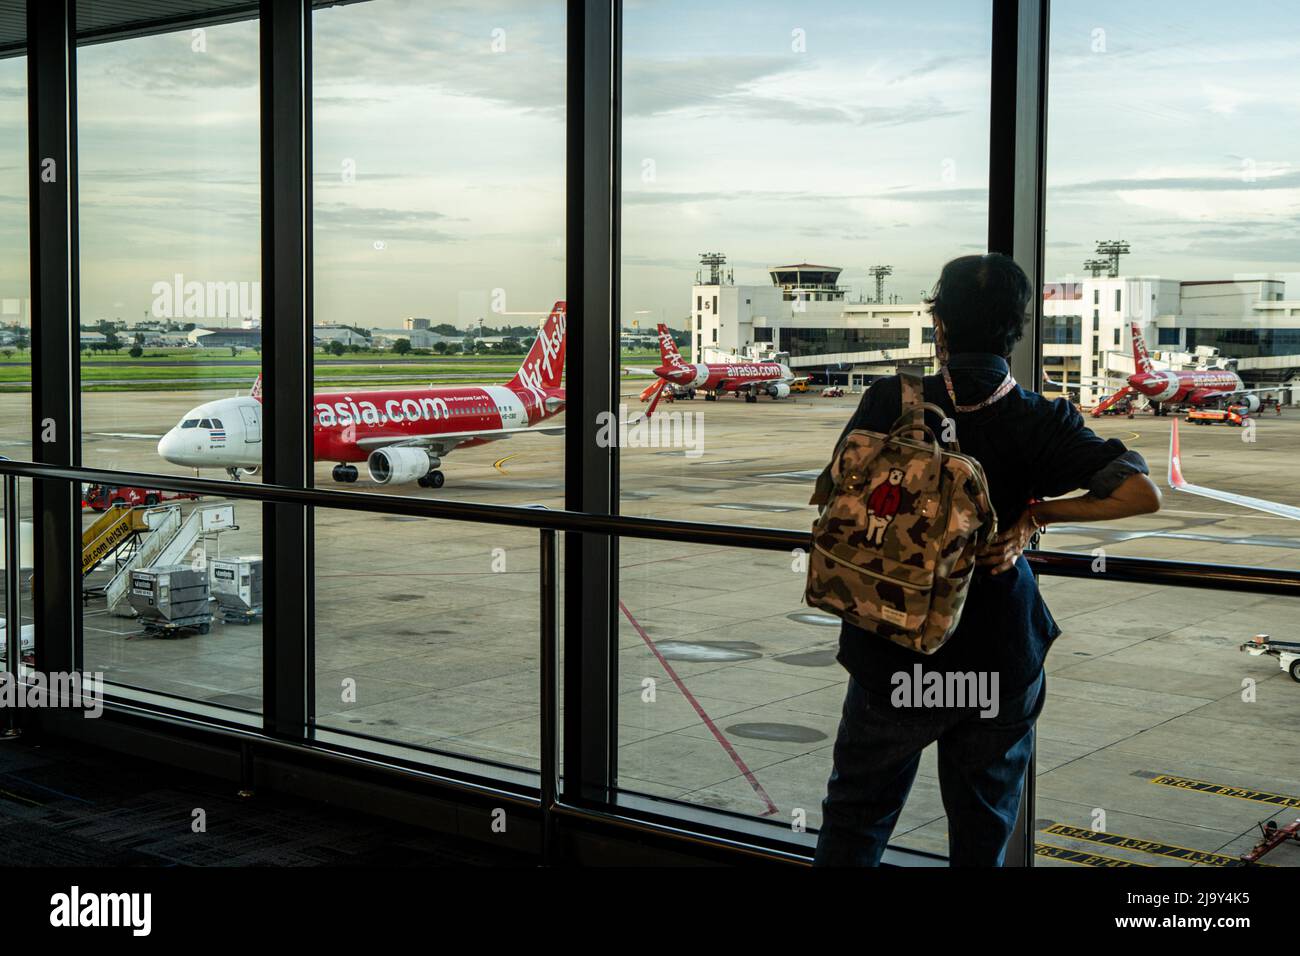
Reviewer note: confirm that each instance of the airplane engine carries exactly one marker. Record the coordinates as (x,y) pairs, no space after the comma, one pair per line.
(1251,403)
(396,466)
(778,390)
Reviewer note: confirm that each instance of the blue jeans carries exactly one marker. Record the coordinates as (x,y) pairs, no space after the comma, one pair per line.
(982,763)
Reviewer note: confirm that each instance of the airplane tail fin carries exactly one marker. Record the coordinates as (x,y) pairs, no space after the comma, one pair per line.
(668,353)
(256,390)
(543,366)
(1141,359)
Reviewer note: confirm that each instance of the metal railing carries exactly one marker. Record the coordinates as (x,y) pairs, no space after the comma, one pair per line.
(1053,563)
(548,523)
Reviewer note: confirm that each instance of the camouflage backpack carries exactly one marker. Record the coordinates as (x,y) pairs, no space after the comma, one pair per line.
(901,519)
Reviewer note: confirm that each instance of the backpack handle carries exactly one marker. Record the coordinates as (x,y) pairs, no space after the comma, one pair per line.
(902,427)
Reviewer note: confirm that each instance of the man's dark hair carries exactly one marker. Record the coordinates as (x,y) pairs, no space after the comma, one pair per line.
(983,302)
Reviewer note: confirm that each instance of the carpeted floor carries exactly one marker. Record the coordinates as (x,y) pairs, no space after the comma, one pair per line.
(62,804)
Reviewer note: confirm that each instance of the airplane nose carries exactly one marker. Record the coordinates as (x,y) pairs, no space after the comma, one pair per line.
(167,445)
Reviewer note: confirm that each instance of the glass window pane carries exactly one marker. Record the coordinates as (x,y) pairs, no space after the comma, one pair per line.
(1152,711)
(15,264)
(790,192)
(1171,215)
(170,249)
(728,690)
(169,217)
(439,248)
(164,611)
(439,210)
(428,635)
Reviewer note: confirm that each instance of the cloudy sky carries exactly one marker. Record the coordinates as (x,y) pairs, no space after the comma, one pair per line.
(844,133)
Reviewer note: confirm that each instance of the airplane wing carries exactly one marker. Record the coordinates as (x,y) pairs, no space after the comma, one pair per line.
(443,443)
(1250,391)
(632,370)
(1089,381)
(1179,483)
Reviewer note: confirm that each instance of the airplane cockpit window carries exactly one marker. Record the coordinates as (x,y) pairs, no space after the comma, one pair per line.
(206,423)
(190,423)
(216,423)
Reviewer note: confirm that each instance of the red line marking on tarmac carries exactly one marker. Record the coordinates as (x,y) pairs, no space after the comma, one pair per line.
(708,721)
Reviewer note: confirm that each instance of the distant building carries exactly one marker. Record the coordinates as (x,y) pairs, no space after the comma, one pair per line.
(634,339)
(325,334)
(415,324)
(419,338)
(226,338)
(804,316)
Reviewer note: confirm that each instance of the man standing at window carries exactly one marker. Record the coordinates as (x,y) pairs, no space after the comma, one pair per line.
(1031,449)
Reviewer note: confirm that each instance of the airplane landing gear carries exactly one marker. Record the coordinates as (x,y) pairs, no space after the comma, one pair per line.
(751,397)
(433,479)
(345,473)
(234,474)
(710,396)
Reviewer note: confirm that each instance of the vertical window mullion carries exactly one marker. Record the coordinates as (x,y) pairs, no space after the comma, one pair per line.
(285,30)
(1017,159)
(590,471)
(55,373)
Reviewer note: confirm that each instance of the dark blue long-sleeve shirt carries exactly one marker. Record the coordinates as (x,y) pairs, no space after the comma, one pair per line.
(1029,447)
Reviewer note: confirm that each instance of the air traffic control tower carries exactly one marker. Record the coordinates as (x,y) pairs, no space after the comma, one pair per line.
(808,283)
(725,315)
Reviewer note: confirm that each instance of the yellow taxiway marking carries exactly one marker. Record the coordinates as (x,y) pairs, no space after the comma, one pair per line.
(1083,859)
(1240,793)
(20,797)
(501,461)
(1153,847)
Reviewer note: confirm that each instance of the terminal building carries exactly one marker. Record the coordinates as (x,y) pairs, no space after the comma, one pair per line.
(806,314)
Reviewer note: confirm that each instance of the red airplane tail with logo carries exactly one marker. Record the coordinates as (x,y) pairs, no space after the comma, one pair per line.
(256,391)
(1141,359)
(542,370)
(668,353)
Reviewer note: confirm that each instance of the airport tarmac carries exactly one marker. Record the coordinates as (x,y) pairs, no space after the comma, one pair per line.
(729,694)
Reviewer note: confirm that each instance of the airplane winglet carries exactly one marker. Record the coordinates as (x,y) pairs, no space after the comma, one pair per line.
(1179,483)
(1175,478)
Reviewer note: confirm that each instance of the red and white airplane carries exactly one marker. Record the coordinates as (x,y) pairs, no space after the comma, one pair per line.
(713,378)
(401,434)
(1197,387)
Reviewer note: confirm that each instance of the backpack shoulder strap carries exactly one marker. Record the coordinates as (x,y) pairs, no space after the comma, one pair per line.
(823,488)
(913,391)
